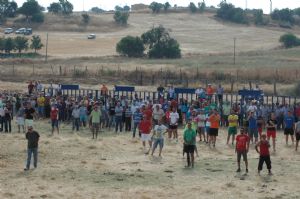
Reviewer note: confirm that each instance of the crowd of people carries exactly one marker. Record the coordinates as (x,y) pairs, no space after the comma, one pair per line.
(151,119)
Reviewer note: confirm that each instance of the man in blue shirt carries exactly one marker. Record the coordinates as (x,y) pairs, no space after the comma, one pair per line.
(289,123)
(137,117)
(252,128)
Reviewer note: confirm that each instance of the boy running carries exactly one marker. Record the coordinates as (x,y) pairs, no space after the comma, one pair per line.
(264,154)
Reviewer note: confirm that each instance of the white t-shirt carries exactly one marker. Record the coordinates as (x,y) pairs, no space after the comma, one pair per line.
(174,118)
(207,123)
(160,130)
(158,114)
(201,120)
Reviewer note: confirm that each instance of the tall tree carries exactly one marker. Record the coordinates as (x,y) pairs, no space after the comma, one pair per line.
(36,43)
(67,7)
(30,8)
(55,8)
(9,45)
(167,6)
(21,43)
(7,9)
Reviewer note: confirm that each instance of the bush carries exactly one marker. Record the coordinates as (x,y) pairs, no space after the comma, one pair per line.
(289,40)
(131,46)
(230,13)
(121,17)
(85,18)
(38,18)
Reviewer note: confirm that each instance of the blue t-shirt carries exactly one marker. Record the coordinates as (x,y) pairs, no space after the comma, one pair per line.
(252,123)
(289,121)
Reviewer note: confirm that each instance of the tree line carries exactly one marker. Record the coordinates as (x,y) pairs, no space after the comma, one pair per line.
(19,44)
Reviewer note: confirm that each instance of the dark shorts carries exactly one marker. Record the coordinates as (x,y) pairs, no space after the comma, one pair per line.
(297,136)
(155,122)
(54,123)
(240,154)
(189,148)
(288,131)
(174,127)
(213,132)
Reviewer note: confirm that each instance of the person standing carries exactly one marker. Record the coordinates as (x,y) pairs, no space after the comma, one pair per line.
(7,119)
(119,117)
(232,129)
(76,117)
(189,137)
(145,129)
(201,125)
(264,154)
(253,131)
(128,118)
(158,137)
(20,119)
(174,117)
(29,115)
(271,129)
(95,119)
(289,124)
(214,120)
(158,114)
(297,133)
(220,92)
(54,119)
(32,147)
(242,148)
(137,118)
(41,106)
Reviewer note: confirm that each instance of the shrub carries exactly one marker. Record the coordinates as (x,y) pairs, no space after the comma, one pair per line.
(85,18)
(289,40)
(230,13)
(131,46)
(121,17)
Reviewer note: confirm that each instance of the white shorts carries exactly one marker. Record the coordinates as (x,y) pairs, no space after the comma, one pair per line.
(146,137)
(20,121)
(29,122)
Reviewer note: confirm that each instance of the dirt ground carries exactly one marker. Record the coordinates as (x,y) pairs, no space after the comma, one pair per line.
(72,165)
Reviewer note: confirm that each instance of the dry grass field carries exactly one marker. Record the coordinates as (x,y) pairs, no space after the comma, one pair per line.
(72,165)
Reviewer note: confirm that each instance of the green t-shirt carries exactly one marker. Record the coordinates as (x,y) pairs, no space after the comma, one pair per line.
(189,136)
(96,116)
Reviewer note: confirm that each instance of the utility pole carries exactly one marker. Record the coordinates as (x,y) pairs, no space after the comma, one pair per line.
(246,5)
(234,43)
(271,7)
(46,58)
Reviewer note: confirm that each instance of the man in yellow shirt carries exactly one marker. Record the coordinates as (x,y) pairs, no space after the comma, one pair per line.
(41,105)
(233,123)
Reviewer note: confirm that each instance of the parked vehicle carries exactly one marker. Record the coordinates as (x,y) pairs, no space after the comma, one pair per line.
(8,30)
(28,31)
(91,36)
(20,31)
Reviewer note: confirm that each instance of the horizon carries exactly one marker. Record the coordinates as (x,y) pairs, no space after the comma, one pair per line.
(85,5)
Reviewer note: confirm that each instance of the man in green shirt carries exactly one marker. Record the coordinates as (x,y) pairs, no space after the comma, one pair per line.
(189,137)
(95,119)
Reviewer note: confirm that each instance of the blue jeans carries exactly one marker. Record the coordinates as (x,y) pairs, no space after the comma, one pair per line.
(119,123)
(111,121)
(41,111)
(76,122)
(31,151)
(135,126)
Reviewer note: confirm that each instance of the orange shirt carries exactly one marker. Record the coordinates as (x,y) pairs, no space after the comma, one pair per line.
(214,121)
(209,90)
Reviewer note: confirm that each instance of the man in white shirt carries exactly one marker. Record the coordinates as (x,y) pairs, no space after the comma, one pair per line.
(158,114)
(174,116)
(252,108)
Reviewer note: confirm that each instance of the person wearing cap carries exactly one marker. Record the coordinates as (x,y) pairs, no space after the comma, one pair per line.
(32,147)
(189,137)
(289,124)
(264,154)
(242,148)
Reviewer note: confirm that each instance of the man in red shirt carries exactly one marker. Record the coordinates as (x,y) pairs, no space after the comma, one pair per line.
(264,154)
(54,119)
(242,148)
(145,129)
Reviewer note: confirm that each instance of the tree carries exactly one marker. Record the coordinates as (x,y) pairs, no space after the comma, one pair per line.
(167,6)
(126,8)
(38,18)
(2,44)
(160,44)
(55,8)
(67,7)
(121,17)
(156,7)
(85,18)
(30,8)
(9,45)
(285,15)
(36,43)
(258,17)
(289,40)
(97,10)
(230,13)
(21,43)
(7,9)
(201,6)
(131,46)
(297,11)
(192,7)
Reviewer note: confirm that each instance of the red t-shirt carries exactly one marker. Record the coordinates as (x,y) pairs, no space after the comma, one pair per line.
(53,114)
(264,148)
(174,104)
(148,113)
(298,111)
(241,142)
(145,126)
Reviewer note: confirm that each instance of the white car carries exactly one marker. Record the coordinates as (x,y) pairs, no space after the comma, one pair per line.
(8,30)
(91,36)
(20,31)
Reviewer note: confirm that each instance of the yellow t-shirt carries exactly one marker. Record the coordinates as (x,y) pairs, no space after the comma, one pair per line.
(41,101)
(235,119)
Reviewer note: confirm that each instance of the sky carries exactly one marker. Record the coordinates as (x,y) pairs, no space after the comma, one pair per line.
(80,5)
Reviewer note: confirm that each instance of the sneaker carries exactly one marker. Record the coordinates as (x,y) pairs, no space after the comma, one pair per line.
(238,170)
(26,169)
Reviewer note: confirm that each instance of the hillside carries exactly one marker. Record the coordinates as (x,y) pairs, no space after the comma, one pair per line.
(197,34)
